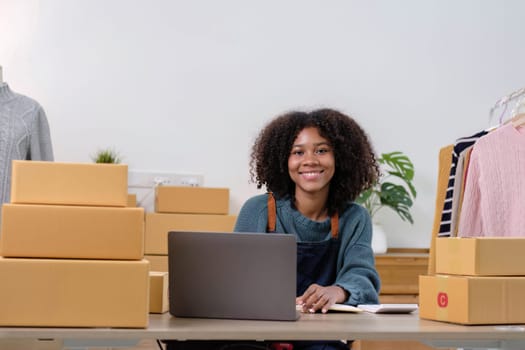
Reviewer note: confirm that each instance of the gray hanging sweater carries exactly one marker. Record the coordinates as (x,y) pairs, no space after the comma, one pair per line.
(24,134)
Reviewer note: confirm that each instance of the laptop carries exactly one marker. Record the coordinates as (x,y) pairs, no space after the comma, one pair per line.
(232,275)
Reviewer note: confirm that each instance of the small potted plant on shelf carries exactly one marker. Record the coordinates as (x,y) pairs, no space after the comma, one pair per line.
(107,155)
(394,190)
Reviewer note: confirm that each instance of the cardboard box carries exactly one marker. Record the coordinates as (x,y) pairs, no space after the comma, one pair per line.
(481,256)
(74,293)
(157,263)
(192,200)
(158,292)
(55,231)
(36,182)
(158,225)
(472,300)
(132,200)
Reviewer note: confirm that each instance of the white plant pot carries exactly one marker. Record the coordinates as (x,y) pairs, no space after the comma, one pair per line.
(379,241)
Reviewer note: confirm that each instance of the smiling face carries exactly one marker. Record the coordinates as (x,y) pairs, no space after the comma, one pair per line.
(311,163)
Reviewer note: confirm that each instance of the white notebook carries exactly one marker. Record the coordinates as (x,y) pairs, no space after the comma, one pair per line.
(344,308)
(338,307)
(389,308)
(375,308)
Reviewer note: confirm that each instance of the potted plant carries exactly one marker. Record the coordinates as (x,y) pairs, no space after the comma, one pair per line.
(108,155)
(394,190)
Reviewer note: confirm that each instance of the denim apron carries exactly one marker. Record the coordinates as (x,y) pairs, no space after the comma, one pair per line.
(316,263)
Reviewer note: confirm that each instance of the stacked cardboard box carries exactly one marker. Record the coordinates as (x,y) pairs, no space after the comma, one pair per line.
(158,302)
(72,251)
(179,208)
(478,281)
(183,208)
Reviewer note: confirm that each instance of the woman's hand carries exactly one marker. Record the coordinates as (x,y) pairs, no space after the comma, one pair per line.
(317,297)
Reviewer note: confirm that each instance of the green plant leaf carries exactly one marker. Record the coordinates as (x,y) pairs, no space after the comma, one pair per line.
(364,196)
(392,194)
(404,213)
(403,167)
(396,196)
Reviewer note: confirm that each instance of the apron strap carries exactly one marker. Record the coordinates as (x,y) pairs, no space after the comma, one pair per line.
(334,225)
(272,215)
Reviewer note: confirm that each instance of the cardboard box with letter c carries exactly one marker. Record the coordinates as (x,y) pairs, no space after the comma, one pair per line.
(472,300)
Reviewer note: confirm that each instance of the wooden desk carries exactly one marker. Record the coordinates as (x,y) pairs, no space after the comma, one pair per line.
(399,271)
(309,327)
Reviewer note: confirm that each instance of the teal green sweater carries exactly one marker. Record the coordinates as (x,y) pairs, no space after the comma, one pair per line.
(356,272)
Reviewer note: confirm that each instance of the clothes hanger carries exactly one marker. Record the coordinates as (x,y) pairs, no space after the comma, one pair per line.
(504,101)
(518,118)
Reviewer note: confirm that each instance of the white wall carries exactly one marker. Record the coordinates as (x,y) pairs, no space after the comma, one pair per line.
(184,86)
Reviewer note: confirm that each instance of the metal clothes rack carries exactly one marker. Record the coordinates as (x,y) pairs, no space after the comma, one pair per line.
(504,101)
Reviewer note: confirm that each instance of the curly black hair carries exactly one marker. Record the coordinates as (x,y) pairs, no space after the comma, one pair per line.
(356,167)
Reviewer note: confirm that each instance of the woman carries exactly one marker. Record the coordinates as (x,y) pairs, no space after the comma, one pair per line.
(314,165)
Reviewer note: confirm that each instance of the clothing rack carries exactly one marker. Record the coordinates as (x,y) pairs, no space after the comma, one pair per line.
(504,101)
